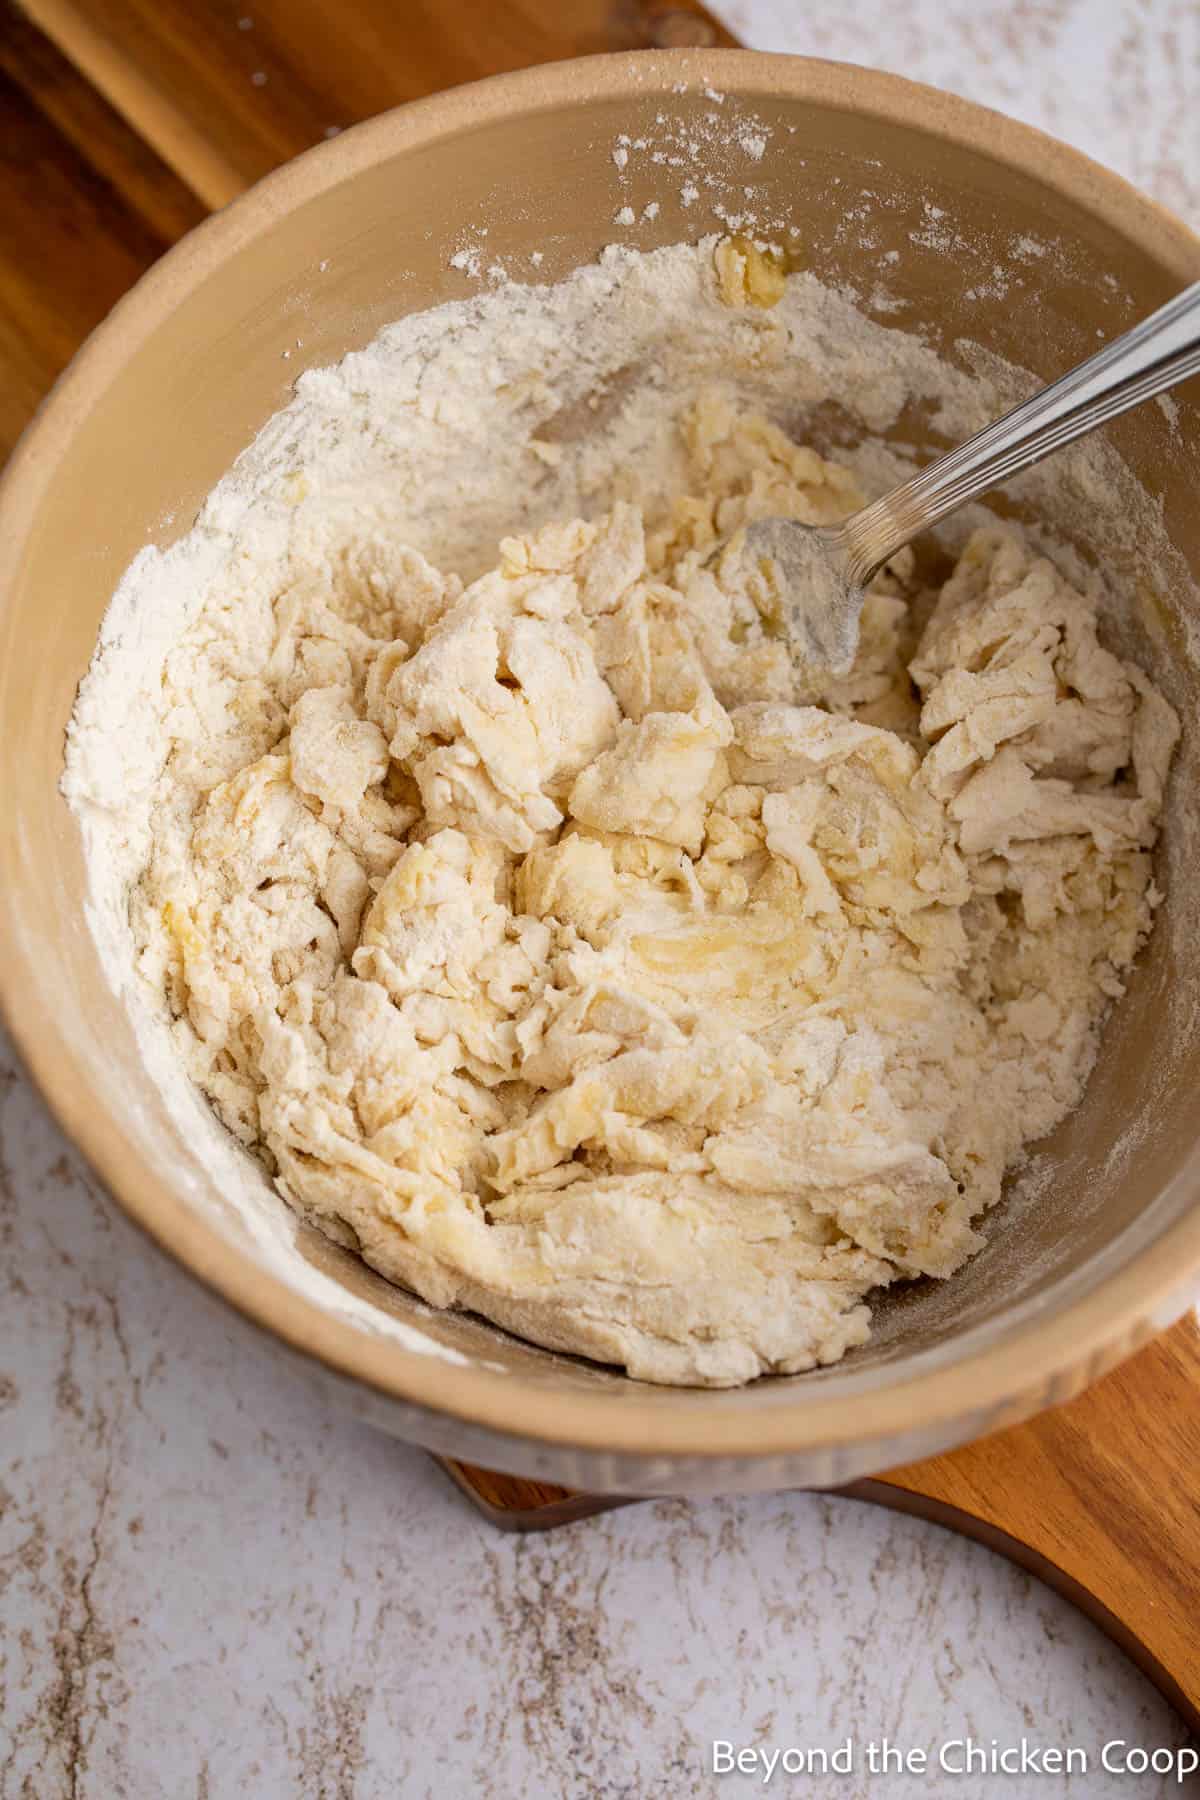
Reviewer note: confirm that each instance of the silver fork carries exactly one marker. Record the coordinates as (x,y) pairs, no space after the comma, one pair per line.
(822,570)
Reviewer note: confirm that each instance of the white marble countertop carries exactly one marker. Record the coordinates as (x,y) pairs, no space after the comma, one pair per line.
(211,1584)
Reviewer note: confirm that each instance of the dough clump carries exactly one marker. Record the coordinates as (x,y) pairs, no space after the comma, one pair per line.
(569,953)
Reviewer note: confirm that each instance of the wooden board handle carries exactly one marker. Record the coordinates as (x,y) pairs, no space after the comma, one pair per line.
(1100,1498)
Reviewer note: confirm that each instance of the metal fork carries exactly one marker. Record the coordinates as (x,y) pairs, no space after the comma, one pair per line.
(821,570)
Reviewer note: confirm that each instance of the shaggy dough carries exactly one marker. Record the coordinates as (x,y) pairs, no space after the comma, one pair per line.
(564,951)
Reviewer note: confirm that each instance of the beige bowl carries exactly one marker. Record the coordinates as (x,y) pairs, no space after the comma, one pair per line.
(1105,1245)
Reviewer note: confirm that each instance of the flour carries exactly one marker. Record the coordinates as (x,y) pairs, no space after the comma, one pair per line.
(714,150)
(411,929)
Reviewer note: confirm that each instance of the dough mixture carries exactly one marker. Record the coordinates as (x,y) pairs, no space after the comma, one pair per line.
(562,948)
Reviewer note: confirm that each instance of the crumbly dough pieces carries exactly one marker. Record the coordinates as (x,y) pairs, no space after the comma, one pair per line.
(564,951)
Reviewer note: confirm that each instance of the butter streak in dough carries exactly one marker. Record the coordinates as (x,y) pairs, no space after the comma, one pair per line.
(562,951)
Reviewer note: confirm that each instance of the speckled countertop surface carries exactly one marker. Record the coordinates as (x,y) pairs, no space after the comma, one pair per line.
(211,1584)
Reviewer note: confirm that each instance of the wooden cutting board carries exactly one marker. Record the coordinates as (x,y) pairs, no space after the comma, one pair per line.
(1100,1498)
(122,123)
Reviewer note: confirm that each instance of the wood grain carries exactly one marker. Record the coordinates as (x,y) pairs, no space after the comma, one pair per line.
(85,207)
(123,121)
(1100,1498)
(225,90)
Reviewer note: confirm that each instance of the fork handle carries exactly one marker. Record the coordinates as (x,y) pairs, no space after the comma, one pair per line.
(1163,349)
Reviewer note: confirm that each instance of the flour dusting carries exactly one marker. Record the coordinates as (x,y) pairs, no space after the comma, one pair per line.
(420,970)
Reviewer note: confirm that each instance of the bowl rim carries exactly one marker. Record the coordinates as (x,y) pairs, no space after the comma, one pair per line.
(1052,1352)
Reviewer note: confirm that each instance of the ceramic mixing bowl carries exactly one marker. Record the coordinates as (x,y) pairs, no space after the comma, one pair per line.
(991,239)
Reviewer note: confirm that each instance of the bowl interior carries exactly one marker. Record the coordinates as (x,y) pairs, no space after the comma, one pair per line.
(943,222)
